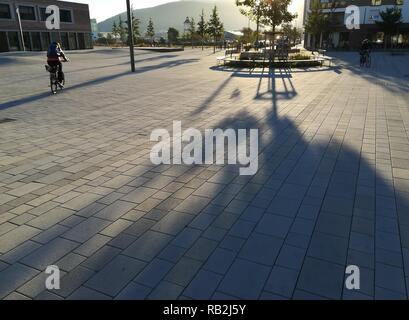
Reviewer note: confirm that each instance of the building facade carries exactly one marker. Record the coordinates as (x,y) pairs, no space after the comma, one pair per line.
(74,33)
(340,37)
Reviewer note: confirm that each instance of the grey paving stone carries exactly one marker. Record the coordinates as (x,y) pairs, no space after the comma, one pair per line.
(244,280)
(85,230)
(70,261)
(50,234)
(166,291)
(73,280)
(172,253)
(202,221)
(15,296)
(13,277)
(122,241)
(183,272)
(187,238)
(16,237)
(153,273)
(252,214)
(388,241)
(49,253)
(220,261)
(124,268)
(133,291)
(115,210)
(242,228)
(232,243)
(173,223)
(390,278)
(203,285)
(148,246)
(334,224)
(139,227)
(202,249)
(329,248)
(139,195)
(101,258)
(19,252)
(282,281)
(321,278)
(284,206)
(50,218)
(291,257)
(274,225)
(92,245)
(261,249)
(84,293)
(193,204)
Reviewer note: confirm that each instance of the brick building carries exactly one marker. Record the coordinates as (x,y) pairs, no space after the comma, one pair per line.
(75,29)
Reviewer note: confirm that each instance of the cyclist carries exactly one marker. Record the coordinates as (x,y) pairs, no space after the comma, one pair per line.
(55,55)
(365,51)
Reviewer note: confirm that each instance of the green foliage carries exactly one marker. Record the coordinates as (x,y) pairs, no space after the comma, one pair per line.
(391,18)
(150,31)
(173,35)
(275,13)
(317,21)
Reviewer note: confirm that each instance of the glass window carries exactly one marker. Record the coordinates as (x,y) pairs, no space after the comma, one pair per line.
(64,41)
(36,39)
(14,41)
(27,13)
(72,41)
(5,12)
(3,42)
(46,40)
(376,2)
(27,41)
(65,16)
(400,2)
(43,15)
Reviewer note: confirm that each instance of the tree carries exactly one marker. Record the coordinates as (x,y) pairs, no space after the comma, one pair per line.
(115,30)
(173,35)
(192,30)
(291,33)
(135,27)
(249,35)
(391,18)
(215,27)
(122,30)
(275,13)
(150,31)
(253,10)
(202,28)
(317,22)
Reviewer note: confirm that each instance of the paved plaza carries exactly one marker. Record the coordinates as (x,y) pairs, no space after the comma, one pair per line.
(78,189)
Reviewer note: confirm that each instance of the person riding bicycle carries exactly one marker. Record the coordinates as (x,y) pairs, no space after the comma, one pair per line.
(365,50)
(55,55)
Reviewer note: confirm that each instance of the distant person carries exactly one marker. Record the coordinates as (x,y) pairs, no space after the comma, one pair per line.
(365,51)
(55,55)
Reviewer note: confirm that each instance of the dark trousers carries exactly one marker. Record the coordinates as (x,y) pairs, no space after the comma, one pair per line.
(60,73)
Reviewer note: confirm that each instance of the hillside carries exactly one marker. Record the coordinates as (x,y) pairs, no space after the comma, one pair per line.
(174,14)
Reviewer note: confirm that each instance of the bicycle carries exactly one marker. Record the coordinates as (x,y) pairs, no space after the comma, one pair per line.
(55,84)
(365,59)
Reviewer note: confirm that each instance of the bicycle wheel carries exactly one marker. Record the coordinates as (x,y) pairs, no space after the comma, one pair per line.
(53,85)
(368,61)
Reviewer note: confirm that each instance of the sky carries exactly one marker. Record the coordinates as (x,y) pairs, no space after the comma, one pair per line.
(104,9)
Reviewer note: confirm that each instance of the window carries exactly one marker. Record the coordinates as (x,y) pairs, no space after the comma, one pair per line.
(65,16)
(27,13)
(43,15)
(14,41)
(376,2)
(399,2)
(5,12)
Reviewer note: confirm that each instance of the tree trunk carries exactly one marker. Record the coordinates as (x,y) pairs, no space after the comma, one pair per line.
(214,44)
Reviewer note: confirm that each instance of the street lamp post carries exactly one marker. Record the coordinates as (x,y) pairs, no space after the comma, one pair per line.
(23,46)
(130,35)
(186,26)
